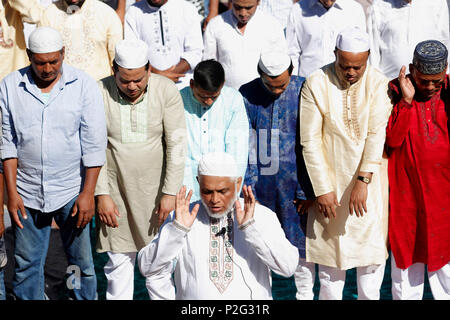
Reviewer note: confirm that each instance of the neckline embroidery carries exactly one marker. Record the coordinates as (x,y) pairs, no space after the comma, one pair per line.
(221,252)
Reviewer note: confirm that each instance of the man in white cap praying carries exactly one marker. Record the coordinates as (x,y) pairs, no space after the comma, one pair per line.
(221,247)
(344,109)
(276,170)
(145,161)
(53,146)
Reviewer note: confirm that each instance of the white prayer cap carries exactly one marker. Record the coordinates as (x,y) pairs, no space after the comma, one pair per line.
(131,54)
(219,164)
(274,63)
(353,40)
(45,40)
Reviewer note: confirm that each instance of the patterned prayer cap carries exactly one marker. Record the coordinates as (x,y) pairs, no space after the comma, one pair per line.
(430,57)
(45,40)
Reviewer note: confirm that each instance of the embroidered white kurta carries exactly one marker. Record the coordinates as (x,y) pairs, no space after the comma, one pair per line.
(207,266)
(172,32)
(343,133)
(90,35)
(238,52)
(396,27)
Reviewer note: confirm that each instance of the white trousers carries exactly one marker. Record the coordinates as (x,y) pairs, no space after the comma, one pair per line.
(119,271)
(408,284)
(304,277)
(369,280)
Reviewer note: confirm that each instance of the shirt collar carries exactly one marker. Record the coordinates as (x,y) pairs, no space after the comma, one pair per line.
(153,8)
(338,4)
(67,76)
(64,6)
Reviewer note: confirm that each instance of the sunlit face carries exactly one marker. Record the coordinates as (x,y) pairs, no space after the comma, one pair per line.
(132,82)
(218,194)
(46,66)
(327,3)
(276,85)
(204,97)
(350,66)
(427,85)
(244,10)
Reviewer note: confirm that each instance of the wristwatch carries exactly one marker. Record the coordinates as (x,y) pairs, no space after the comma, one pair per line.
(364,179)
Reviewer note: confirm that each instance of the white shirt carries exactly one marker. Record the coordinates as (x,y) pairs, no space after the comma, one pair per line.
(172,32)
(396,27)
(209,266)
(280,9)
(238,52)
(312,31)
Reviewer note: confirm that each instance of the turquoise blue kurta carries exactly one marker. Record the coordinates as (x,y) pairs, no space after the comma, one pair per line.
(276,170)
(221,127)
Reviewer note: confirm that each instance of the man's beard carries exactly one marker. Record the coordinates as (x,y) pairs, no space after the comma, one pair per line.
(225,212)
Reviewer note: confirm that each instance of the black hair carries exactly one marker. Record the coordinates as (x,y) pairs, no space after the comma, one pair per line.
(290,69)
(209,75)
(116,66)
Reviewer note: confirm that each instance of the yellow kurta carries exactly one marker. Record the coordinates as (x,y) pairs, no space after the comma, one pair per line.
(89,35)
(12,15)
(342,133)
(145,157)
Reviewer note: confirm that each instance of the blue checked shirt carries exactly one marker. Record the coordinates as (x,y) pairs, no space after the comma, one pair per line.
(52,140)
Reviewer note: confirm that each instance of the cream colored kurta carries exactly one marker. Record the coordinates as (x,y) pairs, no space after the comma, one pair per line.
(144,157)
(343,133)
(12,15)
(89,35)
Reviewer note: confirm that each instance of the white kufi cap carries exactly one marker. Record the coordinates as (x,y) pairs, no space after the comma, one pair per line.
(219,164)
(274,63)
(45,40)
(131,54)
(353,40)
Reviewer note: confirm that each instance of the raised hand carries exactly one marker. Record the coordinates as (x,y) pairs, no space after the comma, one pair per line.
(243,216)
(406,85)
(182,214)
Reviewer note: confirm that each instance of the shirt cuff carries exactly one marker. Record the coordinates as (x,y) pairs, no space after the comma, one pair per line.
(96,159)
(370,166)
(180,226)
(246,224)
(8,152)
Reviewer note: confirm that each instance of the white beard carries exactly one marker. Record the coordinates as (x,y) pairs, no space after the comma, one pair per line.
(224,213)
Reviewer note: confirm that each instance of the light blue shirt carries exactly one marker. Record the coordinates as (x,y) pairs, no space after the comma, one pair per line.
(222,127)
(53,141)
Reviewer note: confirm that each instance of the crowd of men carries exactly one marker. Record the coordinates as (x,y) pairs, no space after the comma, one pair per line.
(212,142)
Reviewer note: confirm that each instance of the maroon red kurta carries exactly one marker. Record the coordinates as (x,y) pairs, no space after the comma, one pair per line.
(419,179)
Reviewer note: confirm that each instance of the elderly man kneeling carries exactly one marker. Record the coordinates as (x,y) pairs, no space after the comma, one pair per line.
(220,247)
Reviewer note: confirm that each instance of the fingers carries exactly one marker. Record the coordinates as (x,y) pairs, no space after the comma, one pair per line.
(402,73)
(195,211)
(16,219)
(74,209)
